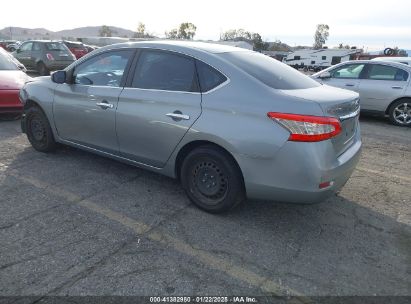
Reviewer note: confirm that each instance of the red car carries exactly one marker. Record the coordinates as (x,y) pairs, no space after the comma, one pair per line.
(12,78)
(77,48)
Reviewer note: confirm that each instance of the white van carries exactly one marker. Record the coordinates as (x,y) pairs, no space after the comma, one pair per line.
(404,60)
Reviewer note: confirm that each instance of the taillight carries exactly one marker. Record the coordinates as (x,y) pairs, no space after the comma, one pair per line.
(49,56)
(306,127)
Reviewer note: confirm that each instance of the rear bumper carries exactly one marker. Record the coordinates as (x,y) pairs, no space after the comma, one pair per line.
(297,170)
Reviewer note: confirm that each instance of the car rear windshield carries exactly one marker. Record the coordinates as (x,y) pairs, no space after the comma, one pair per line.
(270,71)
(6,63)
(75,45)
(56,46)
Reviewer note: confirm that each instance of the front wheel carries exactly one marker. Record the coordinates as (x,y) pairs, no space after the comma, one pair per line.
(400,113)
(38,130)
(212,179)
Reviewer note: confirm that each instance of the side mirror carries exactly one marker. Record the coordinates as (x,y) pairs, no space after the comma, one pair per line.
(59,77)
(324,75)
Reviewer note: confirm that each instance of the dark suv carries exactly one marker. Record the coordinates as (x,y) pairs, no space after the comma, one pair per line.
(44,55)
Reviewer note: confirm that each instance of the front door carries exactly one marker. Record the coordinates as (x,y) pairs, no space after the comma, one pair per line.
(381,85)
(23,54)
(85,110)
(346,76)
(161,104)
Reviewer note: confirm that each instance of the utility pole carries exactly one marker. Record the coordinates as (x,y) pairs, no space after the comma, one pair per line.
(11,34)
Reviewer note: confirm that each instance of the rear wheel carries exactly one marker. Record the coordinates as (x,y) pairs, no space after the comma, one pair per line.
(38,130)
(212,179)
(400,112)
(42,69)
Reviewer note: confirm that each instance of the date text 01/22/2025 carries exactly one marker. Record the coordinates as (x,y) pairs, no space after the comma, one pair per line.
(198,299)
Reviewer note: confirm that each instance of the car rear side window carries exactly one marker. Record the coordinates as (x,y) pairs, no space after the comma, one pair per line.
(386,72)
(270,71)
(209,77)
(162,70)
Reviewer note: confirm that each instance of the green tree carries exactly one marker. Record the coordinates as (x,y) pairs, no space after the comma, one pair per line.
(105,31)
(173,34)
(236,35)
(321,35)
(258,43)
(243,35)
(185,31)
(141,31)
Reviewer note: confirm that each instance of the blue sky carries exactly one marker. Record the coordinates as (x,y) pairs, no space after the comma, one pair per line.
(374,25)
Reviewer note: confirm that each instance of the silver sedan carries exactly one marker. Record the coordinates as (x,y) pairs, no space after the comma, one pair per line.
(229,123)
(384,87)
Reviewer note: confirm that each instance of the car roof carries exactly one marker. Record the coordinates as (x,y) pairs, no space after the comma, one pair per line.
(392,59)
(392,63)
(181,45)
(43,41)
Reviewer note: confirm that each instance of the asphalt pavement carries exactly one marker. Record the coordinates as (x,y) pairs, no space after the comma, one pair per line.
(73,223)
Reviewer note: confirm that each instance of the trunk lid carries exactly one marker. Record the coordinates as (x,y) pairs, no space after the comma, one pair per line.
(334,102)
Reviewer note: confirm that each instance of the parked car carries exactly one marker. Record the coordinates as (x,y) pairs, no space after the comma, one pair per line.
(77,48)
(404,60)
(12,78)
(44,56)
(13,46)
(229,123)
(5,43)
(11,57)
(384,87)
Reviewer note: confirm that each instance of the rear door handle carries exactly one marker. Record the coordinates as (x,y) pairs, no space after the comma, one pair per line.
(349,85)
(178,116)
(396,87)
(105,105)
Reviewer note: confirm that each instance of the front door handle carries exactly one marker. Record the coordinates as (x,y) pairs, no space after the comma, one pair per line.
(396,87)
(177,116)
(105,105)
(349,85)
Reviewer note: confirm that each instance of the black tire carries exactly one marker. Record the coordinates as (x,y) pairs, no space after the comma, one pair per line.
(212,179)
(400,113)
(38,130)
(42,69)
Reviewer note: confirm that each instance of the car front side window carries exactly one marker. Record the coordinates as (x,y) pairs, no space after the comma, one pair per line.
(106,69)
(350,71)
(26,47)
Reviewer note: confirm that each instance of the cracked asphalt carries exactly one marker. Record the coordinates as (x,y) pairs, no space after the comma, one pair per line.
(73,223)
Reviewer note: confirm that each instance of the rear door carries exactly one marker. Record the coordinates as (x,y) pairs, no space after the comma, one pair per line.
(346,76)
(84,111)
(160,104)
(381,85)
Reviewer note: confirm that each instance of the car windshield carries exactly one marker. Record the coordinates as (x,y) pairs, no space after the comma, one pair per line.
(270,71)
(56,46)
(7,63)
